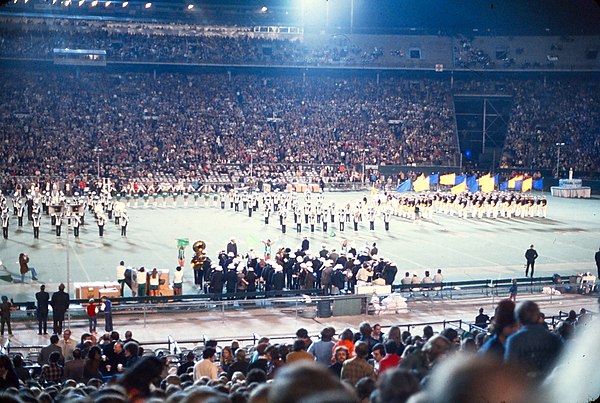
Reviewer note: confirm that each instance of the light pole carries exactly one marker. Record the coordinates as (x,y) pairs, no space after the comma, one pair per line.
(558,145)
(251,152)
(98,151)
(364,150)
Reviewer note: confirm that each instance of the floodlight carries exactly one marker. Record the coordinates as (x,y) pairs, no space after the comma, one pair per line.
(125,4)
(148,5)
(81,3)
(107,3)
(264,9)
(190,7)
(94,3)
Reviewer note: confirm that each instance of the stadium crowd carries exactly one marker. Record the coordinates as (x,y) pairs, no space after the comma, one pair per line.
(514,356)
(133,124)
(36,38)
(177,124)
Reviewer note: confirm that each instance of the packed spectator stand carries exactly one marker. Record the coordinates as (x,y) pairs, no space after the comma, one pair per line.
(370,363)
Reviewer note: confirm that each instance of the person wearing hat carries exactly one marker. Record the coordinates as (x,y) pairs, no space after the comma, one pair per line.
(216,280)
(231,278)
(76,221)
(35,223)
(250,278)
(309,277)
(232,248)
(101,221)
(278,277)
(338,279)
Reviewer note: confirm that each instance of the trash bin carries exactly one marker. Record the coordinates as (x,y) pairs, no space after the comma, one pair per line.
(324,309)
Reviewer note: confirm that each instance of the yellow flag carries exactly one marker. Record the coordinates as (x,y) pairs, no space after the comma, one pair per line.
(421,184)
(486,183)
(373,191)
(527,185)
(447,179)
(512,183)
(461,187)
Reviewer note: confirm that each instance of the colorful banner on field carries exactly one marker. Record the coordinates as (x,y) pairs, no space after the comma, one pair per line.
(434,179)
(527,185)
(461,187)
(405,186)
(421,184)
(472,184)
(538,184)
(512,183)
(486,183)
(504,186)
(460,179)
(447,179)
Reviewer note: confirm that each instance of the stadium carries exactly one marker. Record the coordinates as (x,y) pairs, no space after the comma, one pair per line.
(244,184)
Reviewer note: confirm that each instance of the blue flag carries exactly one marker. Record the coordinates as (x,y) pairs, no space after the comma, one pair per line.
(434,179)
(538,184)
(518,186)
(504,186)
(459,179)
(496,180)
(472,184)
(405,186)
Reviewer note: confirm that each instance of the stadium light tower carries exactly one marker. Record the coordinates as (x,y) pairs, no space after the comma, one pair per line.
(558,145)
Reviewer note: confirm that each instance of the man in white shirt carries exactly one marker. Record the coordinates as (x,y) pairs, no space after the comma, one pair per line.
(206,366)
(121,275)
(178,281)
(67,345)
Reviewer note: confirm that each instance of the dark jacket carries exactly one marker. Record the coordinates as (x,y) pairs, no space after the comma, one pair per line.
(42,298)
(60,303)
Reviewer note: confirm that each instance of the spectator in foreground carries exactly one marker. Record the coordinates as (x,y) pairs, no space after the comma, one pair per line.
(391,359)
(358,367)
(503,325)
(341,355)
(307,382)
(8,376)
(532,347)
(205,366)
(323,349)
(299,353)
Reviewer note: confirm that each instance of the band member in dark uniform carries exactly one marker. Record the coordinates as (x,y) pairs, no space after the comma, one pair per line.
(36,224)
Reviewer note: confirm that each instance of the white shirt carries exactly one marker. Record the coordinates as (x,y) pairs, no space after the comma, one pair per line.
(205,367)
(178,276)
(121,272)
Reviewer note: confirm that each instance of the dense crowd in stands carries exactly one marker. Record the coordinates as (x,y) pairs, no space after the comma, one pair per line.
(184,125)
(512,357)
(37,38)
(177,124)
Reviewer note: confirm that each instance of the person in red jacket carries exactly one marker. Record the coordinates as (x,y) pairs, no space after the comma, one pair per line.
(92,310)
(391,359)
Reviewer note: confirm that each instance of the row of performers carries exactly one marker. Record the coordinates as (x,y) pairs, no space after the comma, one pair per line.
(292,271)
(70,211)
